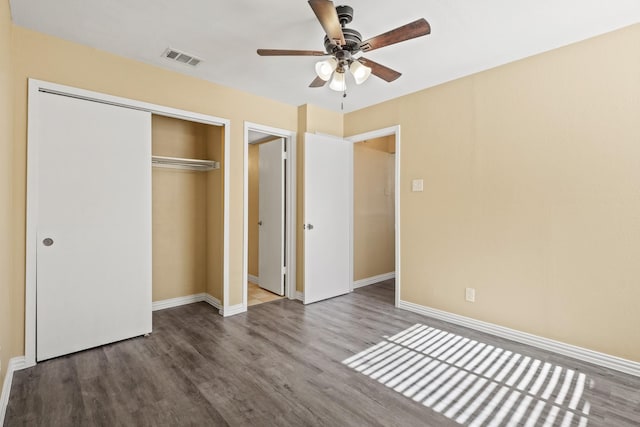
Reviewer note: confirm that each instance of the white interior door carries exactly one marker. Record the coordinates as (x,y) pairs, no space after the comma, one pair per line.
(93,224)
(328,164)
(271,216)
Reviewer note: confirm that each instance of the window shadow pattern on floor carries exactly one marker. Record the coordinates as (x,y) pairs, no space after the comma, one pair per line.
(474,383)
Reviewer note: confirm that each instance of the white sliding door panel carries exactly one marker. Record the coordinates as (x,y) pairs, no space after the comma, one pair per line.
(271,215)
(94,204)
(328,209)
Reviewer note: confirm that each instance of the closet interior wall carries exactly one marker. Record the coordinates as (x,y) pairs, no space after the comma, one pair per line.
(187,211)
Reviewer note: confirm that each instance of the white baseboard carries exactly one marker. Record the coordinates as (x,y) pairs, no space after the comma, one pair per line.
(15,364)
(175,302)
(580,353)
(188,299)
(253,279)
(300,296)
(212,301)
(233,310)
(373,279)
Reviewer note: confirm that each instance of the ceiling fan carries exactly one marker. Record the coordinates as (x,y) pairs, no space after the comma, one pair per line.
(342,43)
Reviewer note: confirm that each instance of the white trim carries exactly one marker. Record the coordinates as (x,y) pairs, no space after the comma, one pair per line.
(373,279)
(290,212)
(15,364)
(233,310)
(213,301)
(176,302)
(35,86)
(392,130)
(580,353)
(253,279)
(300,296)
(188,299)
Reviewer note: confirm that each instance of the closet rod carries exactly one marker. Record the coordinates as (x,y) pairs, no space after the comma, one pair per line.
(180,163)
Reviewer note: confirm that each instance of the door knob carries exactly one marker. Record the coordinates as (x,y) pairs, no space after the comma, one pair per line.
(48,241)
(309,226)
(259,222)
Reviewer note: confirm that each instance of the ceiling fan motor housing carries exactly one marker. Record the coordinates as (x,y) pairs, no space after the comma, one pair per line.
(352,39)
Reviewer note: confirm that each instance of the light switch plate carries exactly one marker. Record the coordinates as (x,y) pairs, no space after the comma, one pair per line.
(417,185)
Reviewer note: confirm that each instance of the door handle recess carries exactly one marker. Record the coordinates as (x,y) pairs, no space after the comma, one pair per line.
(48,241)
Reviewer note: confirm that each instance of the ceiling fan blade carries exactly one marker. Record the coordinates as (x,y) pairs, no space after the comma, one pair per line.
(385,73)
(289,52)
(410,31)
(318,82)
(326,13)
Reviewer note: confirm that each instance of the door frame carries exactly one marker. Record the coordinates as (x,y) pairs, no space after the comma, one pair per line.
(36,86)
(290,207)
(393,130)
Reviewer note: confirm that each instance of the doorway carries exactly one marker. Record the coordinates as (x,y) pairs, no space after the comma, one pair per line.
(269,206)
(376,212)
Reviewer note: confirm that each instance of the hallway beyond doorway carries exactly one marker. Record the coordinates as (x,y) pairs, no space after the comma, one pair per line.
(256,295)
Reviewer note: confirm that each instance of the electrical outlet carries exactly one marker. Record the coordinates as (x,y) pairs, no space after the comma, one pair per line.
(470,294)
(417,185)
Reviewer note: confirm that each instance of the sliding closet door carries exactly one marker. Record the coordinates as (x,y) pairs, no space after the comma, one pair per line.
(93,224)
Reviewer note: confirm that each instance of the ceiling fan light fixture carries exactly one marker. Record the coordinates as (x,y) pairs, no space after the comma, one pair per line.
(338,83)
(360,72)
(325,68)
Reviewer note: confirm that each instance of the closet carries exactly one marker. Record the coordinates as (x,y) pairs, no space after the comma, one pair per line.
(187,208)
(125,207)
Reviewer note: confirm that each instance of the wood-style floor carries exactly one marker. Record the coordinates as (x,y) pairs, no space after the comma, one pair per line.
(281,364)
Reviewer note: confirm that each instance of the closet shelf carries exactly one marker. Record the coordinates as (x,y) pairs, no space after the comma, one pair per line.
(180,163)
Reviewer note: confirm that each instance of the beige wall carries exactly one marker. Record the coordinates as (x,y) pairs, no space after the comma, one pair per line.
(373,208)
(48,58)
(186,228)
(254,208)
(9,326)
(532,184)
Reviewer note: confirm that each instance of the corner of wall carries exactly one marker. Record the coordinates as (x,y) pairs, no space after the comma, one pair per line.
(302,128)
(6,190)
(325,121)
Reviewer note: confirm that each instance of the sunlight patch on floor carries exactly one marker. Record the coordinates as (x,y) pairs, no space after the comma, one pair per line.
(475,383)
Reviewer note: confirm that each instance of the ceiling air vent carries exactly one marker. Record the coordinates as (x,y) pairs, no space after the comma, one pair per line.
(183,57)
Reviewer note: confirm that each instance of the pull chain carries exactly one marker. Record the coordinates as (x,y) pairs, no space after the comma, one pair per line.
(344,95)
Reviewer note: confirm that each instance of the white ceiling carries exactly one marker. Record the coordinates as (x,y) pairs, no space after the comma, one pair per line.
(467,36)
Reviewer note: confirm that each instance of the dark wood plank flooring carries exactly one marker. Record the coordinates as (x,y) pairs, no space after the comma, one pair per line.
(278,364)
